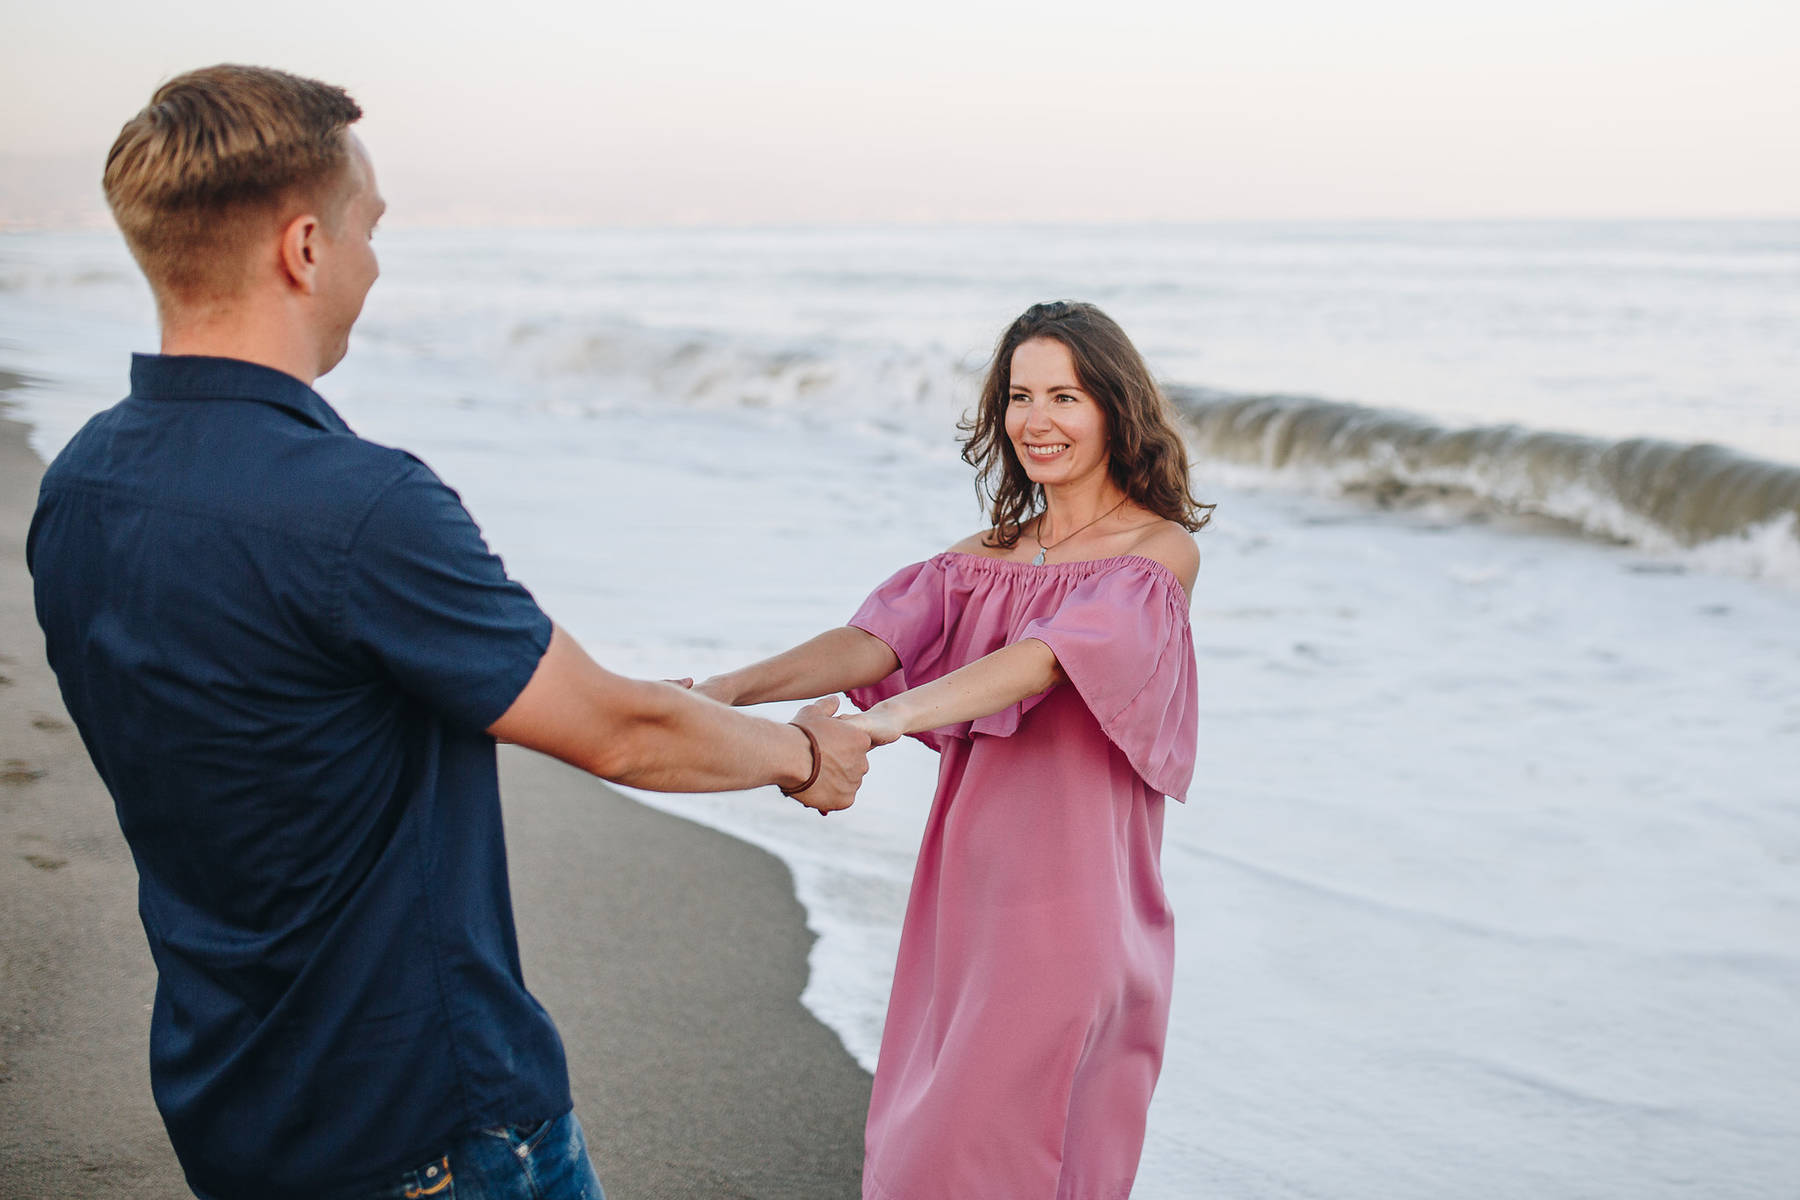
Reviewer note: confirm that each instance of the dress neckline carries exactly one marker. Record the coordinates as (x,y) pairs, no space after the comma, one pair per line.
(1079,566)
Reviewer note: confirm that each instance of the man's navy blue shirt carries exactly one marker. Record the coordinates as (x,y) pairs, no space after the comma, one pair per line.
(282,645)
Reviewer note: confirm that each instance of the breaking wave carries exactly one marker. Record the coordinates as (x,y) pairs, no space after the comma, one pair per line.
(1713,507)
(1724,509)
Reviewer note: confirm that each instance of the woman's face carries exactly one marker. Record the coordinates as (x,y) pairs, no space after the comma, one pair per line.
(1056,428)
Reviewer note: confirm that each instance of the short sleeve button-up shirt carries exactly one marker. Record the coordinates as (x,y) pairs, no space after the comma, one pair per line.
(282,645)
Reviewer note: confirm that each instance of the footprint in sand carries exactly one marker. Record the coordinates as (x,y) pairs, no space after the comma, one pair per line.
(17,771)
(41,858)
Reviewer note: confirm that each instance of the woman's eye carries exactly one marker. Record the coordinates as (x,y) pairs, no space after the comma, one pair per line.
(1068,398)
(1020,399)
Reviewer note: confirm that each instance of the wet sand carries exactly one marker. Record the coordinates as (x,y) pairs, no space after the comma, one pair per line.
(671,956)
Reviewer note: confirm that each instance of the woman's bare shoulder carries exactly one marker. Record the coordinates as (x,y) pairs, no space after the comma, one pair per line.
(1173,546)
(975,543)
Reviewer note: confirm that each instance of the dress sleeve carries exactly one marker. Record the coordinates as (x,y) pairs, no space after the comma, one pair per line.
(1122,638)
(908,613)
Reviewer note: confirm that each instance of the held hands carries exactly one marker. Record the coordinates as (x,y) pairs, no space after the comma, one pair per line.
(844,742)
(843,757)
(881,723)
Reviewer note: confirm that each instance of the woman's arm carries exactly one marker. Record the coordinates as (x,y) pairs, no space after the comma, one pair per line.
(835,661)
(985,686)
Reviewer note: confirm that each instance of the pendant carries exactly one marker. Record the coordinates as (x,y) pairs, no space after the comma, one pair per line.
(1039,560)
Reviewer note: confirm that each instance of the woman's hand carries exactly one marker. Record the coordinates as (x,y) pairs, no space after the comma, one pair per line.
(881,723)
(716,689)
(712,689)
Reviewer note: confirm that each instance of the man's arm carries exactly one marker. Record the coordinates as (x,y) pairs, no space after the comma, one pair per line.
(664,738)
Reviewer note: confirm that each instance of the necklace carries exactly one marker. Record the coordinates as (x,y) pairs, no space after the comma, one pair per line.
(1043,549)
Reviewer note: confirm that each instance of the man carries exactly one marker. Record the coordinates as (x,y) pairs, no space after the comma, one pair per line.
(289,653)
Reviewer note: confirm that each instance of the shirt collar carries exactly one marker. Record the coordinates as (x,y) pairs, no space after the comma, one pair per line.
(197,377)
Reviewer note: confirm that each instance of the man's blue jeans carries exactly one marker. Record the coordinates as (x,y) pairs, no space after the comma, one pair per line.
(544,1162)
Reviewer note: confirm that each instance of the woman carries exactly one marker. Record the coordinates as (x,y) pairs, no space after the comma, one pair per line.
(1048,660)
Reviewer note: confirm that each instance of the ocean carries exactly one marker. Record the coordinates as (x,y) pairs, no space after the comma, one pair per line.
(1489,885)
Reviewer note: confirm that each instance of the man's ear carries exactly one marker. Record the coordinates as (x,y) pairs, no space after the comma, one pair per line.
(301,245)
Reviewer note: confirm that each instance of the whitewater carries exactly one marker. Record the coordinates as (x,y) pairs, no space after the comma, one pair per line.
(1490,882)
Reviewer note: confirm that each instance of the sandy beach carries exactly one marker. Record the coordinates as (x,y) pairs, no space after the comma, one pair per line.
(671,956)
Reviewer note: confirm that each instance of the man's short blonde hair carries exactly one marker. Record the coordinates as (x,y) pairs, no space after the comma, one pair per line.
(214,163)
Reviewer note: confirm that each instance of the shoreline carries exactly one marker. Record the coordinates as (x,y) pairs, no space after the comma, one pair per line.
(670,955)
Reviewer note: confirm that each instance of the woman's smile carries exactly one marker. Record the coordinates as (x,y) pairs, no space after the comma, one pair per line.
(1057,428)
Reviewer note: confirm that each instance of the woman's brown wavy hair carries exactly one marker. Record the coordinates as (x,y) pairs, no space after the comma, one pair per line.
(1147,457)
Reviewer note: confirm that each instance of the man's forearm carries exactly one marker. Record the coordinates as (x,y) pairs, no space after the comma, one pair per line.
(665,738)
(672,741)
(651,735)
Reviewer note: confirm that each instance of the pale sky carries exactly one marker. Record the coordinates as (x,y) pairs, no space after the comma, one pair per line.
(785,111)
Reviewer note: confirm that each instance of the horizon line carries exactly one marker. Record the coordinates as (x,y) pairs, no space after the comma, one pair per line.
(394,223)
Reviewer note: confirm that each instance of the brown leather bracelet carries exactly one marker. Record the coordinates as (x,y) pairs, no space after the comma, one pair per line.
(817,763)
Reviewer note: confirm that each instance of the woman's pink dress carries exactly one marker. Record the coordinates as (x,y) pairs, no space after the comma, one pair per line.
(1031,995)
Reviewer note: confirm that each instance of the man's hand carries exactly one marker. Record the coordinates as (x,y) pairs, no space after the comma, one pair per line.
(843,757)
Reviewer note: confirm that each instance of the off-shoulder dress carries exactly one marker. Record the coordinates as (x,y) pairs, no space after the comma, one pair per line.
(1031,995)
